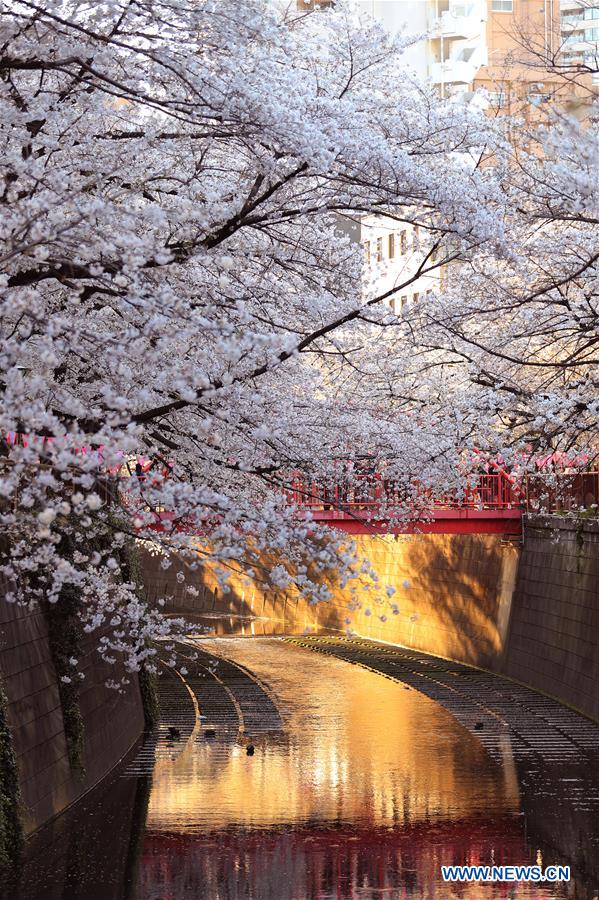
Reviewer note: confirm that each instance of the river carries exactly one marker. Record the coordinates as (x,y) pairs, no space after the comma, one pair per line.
(293,775)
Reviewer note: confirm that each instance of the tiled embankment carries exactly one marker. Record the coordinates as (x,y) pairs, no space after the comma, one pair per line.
(112,721)
(553,640)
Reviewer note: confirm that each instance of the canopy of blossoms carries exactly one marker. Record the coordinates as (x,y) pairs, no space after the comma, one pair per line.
(177,287)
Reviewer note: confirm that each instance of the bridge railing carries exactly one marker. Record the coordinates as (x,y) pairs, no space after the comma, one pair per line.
(485,491)
(374,492)
(561,491)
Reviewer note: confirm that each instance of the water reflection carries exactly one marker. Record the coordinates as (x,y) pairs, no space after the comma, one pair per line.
(356,748)
(364,792)
(368,791)
(224,625)
(318,863)
(91,852)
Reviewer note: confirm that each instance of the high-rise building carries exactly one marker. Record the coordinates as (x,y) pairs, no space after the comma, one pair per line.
(457,47)
(580,35)
(502,46)
(311,5)
(498,45)
(509,48)
(410,16)
(393,255)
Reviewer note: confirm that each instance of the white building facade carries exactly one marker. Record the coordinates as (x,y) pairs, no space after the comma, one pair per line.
(580,34)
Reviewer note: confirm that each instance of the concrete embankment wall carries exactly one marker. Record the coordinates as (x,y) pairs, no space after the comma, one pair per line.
(111,721)
(553,641)
(452,596)
(531,614)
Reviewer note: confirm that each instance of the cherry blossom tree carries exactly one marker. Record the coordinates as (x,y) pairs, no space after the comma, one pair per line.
(523,328)
(177,287)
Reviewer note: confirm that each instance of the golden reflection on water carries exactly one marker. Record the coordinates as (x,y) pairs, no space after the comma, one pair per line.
(355,748)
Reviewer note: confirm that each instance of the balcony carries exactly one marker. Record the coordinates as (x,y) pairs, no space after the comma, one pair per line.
(454,71)
(461,20)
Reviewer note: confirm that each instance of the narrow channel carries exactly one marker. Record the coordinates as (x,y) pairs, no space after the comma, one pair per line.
(279,773)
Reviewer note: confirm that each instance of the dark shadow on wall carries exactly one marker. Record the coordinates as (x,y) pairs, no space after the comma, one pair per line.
(457,590)
(112,721)
(90,852)
(554,629)
(453,606)
(452,595)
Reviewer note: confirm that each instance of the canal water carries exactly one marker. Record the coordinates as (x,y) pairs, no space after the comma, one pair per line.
(290,775)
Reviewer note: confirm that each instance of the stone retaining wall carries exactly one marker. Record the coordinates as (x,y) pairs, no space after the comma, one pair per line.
(554,631)
(452,596)
(112,722)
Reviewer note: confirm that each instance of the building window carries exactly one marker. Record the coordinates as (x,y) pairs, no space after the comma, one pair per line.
(497,99)
(416,239)
(403,242)
(537,99)
(367,251)
(379,249)
(415,296)
(502,5)
(391,246)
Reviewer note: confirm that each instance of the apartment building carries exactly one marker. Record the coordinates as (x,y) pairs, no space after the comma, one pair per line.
(498,45)
(410,16)
(501,46)
(508,48)
(394,251)
(580,34)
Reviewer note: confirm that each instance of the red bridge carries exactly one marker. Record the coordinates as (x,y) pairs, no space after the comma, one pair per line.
(363,501)
(492,504)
